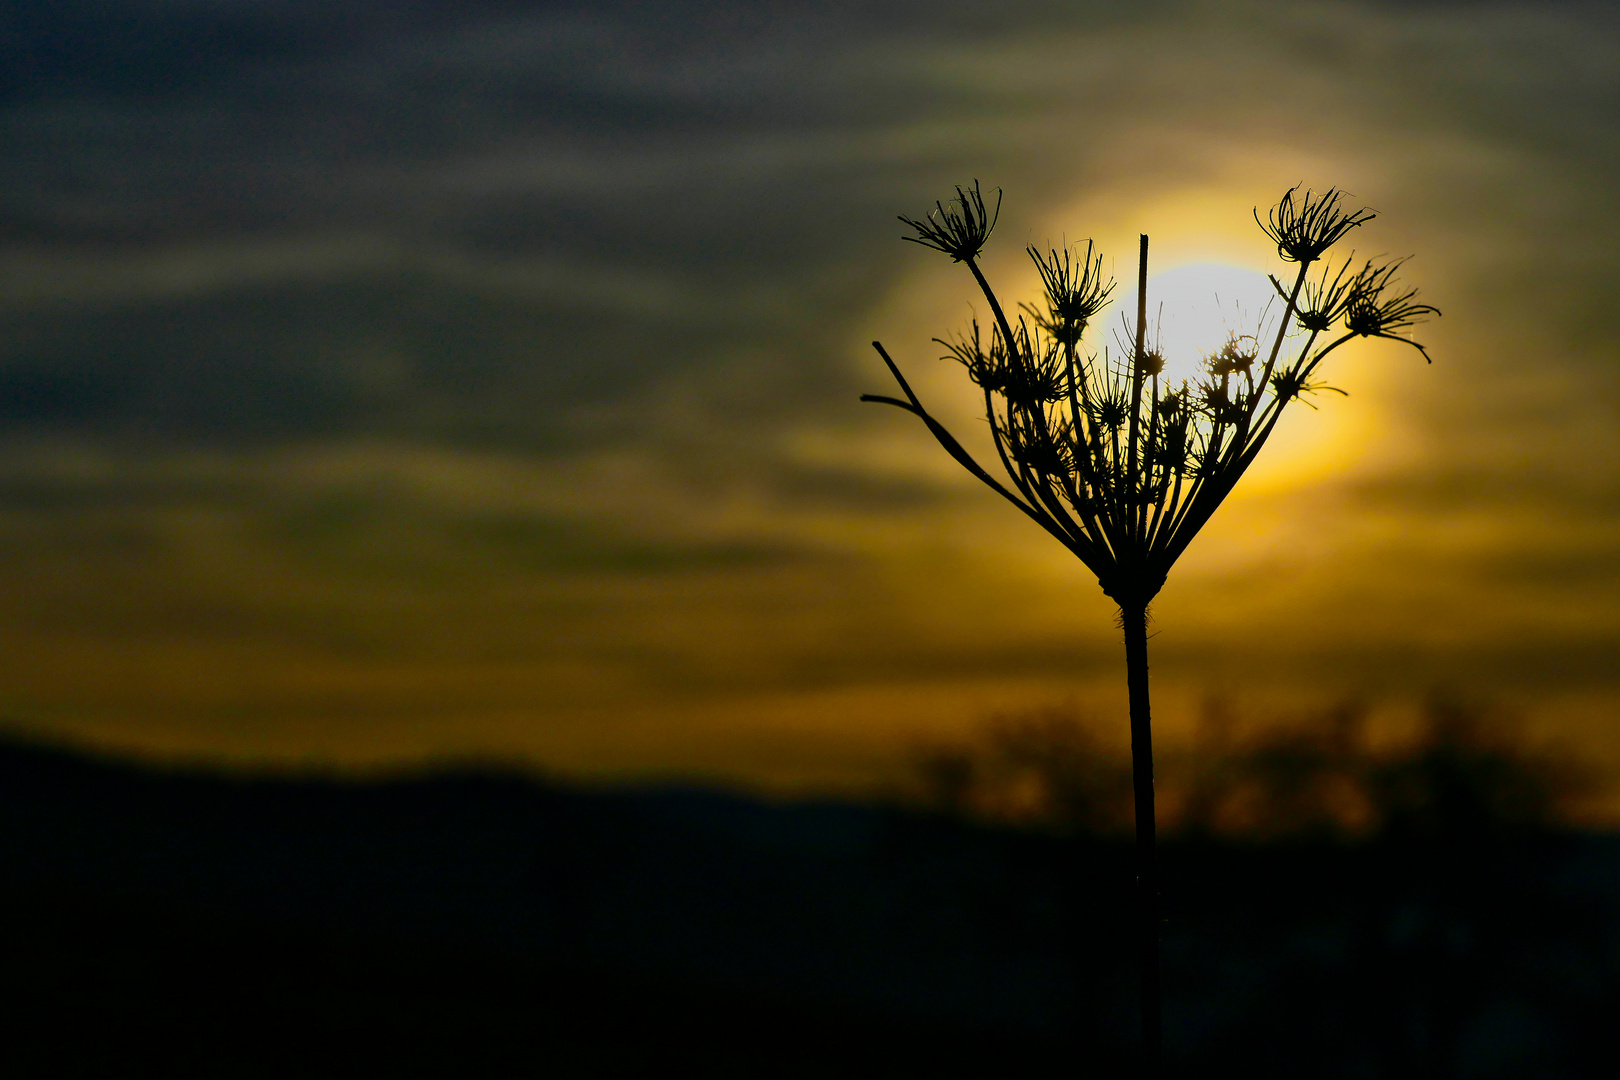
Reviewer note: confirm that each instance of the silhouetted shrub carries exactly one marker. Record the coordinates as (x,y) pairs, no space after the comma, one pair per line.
(1462,775)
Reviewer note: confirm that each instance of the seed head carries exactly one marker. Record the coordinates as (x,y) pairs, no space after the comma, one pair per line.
(1293,384)
(987,370)
(1304,231)
(1235,357)
(1321,302)
(1169,450)
(1036,381)
(1123,474)
(1075,292)
(1050,452)
(1217,403)
(1288,384)
(959,230)
(1378,306)
(1112,411)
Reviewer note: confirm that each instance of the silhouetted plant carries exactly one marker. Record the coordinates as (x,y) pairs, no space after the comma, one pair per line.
(1122,469)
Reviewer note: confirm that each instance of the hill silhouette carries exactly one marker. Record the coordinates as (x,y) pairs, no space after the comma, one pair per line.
(479,923)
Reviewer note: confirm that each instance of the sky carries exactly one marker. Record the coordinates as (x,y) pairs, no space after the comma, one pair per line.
(389,383)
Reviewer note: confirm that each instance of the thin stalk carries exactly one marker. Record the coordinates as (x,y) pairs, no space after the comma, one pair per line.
(1133,618)
(1148,526)
(963,458)
(1240,462)
(1171,506)
(1001,450)
(1013,354)
(995,305)
(1087,467)
(1131,528)
(1282,329)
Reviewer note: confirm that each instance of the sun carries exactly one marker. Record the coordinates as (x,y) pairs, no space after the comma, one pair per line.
(1193,310)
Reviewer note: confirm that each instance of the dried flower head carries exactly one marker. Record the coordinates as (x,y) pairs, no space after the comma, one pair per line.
(960,229)
(1235,357)
(1321,302)
(1112,410)
(1378,307)
(1075,292)
(1292,384)
(1304,231)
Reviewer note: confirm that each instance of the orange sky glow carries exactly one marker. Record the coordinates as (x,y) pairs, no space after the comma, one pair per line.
(649,532)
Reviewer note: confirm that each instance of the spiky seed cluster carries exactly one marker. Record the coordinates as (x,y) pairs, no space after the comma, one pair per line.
(1075,292)
(1122,470)
(1376,306)
(1304,231)
(1321,302)
(960,229)
(1235,357)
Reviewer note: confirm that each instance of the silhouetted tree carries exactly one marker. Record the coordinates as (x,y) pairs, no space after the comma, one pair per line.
(1123,470)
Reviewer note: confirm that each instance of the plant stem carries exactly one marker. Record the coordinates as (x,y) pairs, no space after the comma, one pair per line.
(1133,617)
(1132,507)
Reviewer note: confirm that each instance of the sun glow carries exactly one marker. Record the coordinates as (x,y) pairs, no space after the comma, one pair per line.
(1193,310)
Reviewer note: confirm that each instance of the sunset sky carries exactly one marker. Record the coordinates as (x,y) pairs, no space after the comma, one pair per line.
(385,382)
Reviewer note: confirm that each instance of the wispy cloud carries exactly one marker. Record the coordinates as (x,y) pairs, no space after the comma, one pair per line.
(348,342)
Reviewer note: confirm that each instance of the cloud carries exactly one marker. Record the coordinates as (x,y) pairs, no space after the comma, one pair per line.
(387,331)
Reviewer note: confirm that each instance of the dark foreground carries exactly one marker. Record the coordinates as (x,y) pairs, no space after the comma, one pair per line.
(485,925)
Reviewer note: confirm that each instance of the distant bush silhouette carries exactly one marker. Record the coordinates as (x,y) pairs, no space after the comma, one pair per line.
(1461,776)
(1042,770)
(1120,466)
(1357,910)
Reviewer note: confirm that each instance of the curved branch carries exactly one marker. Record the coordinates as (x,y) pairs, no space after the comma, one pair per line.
(964,459)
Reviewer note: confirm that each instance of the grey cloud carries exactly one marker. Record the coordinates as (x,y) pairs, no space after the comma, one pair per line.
(268,269)
(554,206)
